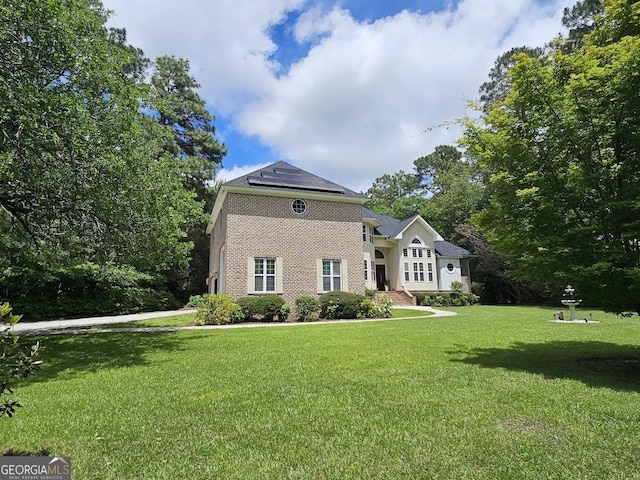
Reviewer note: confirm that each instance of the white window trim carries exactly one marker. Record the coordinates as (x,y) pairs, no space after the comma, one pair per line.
(344,277)
(251,273)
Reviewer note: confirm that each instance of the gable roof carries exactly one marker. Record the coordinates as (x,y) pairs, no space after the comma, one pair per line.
(282,175)
(392,228)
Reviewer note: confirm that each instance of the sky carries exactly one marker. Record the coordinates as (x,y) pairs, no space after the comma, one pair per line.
(346,89)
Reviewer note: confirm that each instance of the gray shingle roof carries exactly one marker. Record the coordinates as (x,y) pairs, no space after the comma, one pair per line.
(447,249)
(390,227)
(284,175)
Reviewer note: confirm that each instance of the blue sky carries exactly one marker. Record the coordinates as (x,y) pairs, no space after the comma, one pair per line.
(348,90)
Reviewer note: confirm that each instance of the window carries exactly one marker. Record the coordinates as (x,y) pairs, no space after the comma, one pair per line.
(417,253)
(331,275)
(416,241)
(364,233)
(450,267)
(418,272)
(299,206)
(371,234)
(430,269)
(405,252)
(366,274)
(407,274)
(373,266)
(264,275)
(428,253)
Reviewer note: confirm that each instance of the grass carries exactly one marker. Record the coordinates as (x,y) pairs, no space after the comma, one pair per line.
(493,393)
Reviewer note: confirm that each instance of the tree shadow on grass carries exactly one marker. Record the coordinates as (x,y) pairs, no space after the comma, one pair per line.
(597,364)
(73,354)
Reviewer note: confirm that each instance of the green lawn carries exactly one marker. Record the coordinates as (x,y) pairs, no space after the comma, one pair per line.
(494,393)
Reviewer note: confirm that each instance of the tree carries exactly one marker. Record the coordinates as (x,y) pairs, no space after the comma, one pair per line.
(189,138)
(15,360)
(81,180)
(561,152)
(580,20)
(495,89)
(388,189)
(453,184)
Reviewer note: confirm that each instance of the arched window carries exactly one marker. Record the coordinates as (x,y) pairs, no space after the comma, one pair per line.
(416,241)
(379,254)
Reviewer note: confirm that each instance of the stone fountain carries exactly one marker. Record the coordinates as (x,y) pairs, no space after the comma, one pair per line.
(569,300)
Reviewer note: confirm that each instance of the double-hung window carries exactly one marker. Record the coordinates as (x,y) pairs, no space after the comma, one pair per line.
(331,275)
(418,272)
(264,277)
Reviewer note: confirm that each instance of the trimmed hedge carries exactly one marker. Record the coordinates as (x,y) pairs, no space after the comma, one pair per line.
(264,308)
(340,305)
(445,299)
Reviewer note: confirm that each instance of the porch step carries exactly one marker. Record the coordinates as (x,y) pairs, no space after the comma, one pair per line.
(400,298)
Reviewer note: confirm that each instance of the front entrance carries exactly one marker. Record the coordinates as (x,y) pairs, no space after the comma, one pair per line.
(381,276)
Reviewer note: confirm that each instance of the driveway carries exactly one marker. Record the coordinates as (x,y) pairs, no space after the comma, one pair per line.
(91,321)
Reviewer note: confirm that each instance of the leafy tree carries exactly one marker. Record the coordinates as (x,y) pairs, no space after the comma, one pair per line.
(561,154)
(495,89)
(15,360)
(81,179)
(454,187)
(387,189)
(189,137)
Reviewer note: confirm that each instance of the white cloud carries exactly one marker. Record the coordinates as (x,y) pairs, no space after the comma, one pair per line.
(354,107)
(229,174)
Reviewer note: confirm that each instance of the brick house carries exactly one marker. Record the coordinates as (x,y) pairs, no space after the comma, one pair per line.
(285,231)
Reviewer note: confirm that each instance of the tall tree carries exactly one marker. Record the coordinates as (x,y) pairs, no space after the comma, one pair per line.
(80,181)
(580,19)
(453,185)
(495,89)
(186,126)
(562,151)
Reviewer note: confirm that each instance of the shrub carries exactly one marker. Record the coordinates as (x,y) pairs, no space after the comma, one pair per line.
(456,287)
(217,310)
(385,304)
(444,299)
(285,311)
(379,307)
(265,308)
(370,293)
(16,361)
(195,301)
(307,307)
(336,305)
(368,308)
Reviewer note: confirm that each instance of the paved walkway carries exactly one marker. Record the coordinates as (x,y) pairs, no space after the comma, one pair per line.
(91,321)
(84,325)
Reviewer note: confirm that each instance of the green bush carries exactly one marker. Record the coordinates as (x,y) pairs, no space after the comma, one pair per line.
(81,290)
(446,299)
(17,361)
(265,308)
(195,301)
(370,293)
(379,307)
(385,304)
(456,287)
(217,310)
(285,311)
(307,308)
(338,305)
